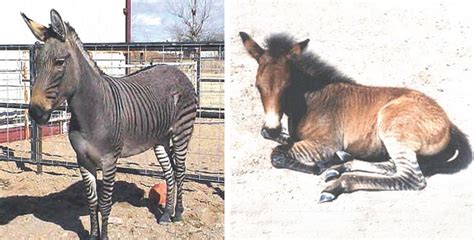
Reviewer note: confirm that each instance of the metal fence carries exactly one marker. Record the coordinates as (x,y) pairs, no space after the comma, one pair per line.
(23,142)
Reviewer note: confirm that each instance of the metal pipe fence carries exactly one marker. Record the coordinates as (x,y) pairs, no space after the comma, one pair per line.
(23,142)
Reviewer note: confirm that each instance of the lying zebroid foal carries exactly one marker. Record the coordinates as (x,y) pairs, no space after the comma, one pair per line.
(397,135)
(113,117)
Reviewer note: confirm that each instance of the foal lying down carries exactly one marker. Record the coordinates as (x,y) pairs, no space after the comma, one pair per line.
(364,137)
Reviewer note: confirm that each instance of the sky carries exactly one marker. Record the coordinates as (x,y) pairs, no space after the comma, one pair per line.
(150,19)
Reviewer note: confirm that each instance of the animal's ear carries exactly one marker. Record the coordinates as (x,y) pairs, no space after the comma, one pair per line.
(40,31)
(58,25)
(252,47)
(298,48)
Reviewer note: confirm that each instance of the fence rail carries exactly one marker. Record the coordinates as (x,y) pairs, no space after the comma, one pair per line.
(203,62)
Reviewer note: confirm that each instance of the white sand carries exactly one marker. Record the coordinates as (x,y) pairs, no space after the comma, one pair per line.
(425,47)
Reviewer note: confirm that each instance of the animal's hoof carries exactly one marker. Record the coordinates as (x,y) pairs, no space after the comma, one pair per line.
(326,197)
(331,174)
(278,160)
(177,218)
(165,219)
(343,156)
(104,238)
(317,170)
(93,237)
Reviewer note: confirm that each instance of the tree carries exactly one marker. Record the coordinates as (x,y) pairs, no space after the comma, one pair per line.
(193,21)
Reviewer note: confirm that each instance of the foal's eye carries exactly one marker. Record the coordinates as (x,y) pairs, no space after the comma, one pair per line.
(60,62)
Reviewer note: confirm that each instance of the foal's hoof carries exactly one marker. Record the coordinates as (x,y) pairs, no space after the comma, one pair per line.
(343,156)
(278,159)
(165,219)
(331,174)
(326,197)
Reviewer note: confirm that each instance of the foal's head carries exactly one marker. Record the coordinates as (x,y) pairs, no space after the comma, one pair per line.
(55,72)
(273,75)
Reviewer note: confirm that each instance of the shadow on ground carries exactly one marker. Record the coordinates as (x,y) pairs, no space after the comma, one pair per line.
(64,208)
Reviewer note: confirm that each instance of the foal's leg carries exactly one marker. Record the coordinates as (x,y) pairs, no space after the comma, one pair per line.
(407,175)
(89,178)
(384,168)
(303,156)
(105,201)
(283,138)
(166,165)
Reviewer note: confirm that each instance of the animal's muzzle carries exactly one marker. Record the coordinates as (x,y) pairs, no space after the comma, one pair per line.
(271,133)
(39,115)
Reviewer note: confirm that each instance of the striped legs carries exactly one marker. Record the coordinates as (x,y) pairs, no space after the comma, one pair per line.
(302,156)
(182,134)
(405,176)
(180,149)
(173,171)
(105,200)
(98,202)
(168,171)
(175,168)
(89,180)
(385,168)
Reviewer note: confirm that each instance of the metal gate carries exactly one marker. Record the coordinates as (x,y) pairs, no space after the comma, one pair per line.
(23,142)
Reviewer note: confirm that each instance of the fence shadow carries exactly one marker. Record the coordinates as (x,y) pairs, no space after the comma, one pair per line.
(64,208)
(217,190)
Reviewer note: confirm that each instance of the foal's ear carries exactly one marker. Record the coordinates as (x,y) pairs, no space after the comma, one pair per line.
(40,31)
(58,25)
(298,48)
(252,47)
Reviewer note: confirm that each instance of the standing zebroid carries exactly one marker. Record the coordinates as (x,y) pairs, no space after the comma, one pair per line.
(113,117)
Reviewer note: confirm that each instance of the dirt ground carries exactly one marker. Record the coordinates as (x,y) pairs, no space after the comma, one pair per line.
(395,43)
(53,205)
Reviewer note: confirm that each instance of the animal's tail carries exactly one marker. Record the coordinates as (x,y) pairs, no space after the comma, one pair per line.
(455,157)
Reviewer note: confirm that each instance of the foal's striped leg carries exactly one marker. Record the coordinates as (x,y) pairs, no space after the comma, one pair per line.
(89,178)
(407,175)
(105,199)
(168,171)
(385,168)
(303,156)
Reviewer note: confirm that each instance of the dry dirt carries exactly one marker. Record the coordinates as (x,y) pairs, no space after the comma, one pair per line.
(425,46)
(53,205)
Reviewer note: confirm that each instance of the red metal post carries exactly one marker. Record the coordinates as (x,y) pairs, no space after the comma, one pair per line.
(128,20)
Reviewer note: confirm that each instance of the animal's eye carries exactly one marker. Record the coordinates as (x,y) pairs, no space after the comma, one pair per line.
(60,62)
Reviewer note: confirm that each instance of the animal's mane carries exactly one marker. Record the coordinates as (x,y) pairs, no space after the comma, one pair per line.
(73,36)
(279,44)
(144,69)
(308,63)
(318,70)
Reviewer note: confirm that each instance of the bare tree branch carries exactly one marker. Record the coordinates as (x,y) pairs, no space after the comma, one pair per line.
(193,17)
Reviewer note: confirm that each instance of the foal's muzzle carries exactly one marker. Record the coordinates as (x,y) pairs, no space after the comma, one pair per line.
(39,115)
(271,133)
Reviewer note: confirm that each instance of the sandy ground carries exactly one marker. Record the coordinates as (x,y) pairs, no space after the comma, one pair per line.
(425,47)
(53,205)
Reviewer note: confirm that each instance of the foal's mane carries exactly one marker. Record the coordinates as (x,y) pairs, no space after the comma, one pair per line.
(311,66)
